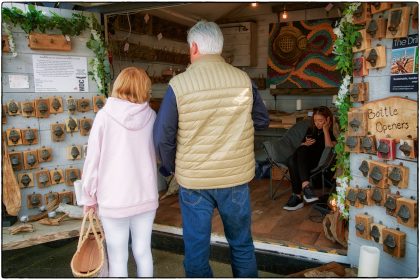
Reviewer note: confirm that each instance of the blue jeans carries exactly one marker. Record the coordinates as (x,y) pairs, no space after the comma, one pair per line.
(197,208)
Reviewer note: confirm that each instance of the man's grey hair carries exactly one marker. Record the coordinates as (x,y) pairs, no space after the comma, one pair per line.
(207,36)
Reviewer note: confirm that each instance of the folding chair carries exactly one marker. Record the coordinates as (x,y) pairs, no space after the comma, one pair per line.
(272,155)
(325,164)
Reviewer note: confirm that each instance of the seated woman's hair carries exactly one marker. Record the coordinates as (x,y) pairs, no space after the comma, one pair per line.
(132,84)
(323,111)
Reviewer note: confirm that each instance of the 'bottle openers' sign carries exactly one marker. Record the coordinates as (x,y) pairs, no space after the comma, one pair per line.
(394,117)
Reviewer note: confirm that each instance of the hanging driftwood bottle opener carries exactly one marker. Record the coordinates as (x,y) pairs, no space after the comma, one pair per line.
(16,159)
(30,159)
(57,176)
(363,223)
(13,108)
(42,108)
(85,126)
(26,180)
(362,14)
(29,136)
(351,197)
(408,148)
(364,196)
(407,213)
(43,178)
(72,125)
(377,174)
(72,174)
(357,123)
(386,149)
(352,144)
(56,104)
(376,57)
(83,105)
(28,109)
(34,200)
(376,232)
(368,144)
(398,21)
(14,137)
(394,242)
(391,203)
(58,132)
(71,105)
(359,67)
(398,176)
(74,152)
(362,42)
(45,154)
(359,92)
(376,28)
(378,196)
(66,197)
(378,7)
(98,103)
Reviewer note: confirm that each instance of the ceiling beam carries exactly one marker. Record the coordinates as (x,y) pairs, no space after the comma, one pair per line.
(295,6)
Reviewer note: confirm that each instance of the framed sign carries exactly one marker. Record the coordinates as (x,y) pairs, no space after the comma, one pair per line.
(60,73)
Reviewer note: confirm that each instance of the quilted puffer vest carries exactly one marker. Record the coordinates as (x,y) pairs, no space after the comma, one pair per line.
(215,140)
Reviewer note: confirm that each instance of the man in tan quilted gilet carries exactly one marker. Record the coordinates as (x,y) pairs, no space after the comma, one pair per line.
(204,135)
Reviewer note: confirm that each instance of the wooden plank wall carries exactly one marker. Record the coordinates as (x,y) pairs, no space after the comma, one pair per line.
(379,87)
(22,65)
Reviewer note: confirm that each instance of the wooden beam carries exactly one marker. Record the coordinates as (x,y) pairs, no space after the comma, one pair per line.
(294,6)
(303,91)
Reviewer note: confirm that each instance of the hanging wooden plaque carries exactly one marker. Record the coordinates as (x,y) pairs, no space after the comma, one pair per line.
(39,41)
(393,117)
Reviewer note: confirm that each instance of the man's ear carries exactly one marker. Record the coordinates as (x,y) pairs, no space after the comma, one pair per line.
(194,48)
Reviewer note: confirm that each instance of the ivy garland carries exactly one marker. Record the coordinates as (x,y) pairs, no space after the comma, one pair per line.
(347,33)
(34,20)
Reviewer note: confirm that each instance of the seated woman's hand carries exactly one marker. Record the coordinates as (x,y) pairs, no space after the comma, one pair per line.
(308,141)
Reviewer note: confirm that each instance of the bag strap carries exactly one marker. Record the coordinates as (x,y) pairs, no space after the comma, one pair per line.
(83,235)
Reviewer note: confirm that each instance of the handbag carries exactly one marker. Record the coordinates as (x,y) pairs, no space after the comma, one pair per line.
(90,258)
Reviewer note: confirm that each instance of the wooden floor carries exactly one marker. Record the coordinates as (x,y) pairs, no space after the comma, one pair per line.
(269,221)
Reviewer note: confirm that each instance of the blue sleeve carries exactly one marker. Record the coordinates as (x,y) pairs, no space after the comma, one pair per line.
(165,131)
(259,111)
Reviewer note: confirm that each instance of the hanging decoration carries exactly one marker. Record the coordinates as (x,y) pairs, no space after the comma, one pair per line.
(346,33)
(34,20)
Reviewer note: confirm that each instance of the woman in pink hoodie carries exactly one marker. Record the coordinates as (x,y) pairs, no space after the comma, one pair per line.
(119,174)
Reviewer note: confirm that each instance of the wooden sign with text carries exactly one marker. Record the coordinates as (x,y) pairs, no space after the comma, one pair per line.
(395,117)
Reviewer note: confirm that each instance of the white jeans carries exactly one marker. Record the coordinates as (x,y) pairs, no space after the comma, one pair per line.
(116,235)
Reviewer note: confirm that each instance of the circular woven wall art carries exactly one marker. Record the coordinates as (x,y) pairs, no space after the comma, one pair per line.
(289,44)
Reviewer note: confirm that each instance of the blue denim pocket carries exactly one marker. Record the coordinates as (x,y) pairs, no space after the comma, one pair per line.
(190,197)
(239,194)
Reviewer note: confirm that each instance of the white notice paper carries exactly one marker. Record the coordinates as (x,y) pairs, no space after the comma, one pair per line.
(60,73)
(18,81)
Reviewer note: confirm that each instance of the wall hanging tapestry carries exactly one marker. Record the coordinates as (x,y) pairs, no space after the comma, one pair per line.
(300,55)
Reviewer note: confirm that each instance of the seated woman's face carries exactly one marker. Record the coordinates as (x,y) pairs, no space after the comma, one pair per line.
(319,121)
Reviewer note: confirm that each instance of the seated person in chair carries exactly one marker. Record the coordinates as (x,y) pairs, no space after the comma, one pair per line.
(306,157)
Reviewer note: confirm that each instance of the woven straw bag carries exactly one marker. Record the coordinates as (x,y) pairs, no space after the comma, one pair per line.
(90,259)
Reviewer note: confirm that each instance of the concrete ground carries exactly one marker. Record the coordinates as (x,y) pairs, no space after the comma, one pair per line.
(53,260)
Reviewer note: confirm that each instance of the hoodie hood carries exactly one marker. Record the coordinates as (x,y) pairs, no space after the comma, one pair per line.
(130,115)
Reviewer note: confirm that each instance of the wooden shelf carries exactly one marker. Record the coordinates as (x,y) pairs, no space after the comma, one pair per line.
(303,91)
